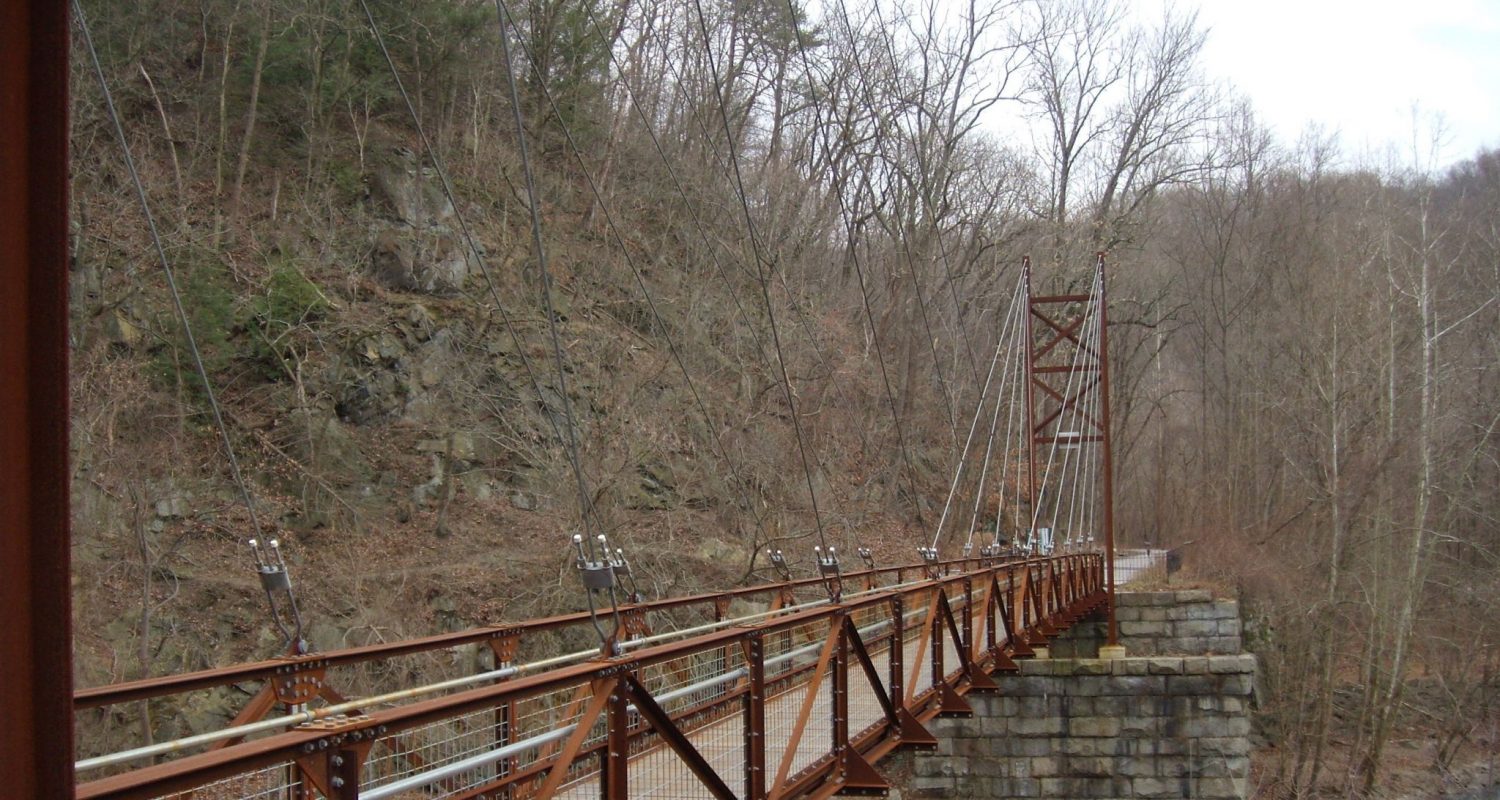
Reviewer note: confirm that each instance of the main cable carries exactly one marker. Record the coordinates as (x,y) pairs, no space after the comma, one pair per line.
(587,510)
(505,18)
(760,261)
(166,266)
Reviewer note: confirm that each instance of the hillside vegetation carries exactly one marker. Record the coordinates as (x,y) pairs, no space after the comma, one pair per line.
(766,234)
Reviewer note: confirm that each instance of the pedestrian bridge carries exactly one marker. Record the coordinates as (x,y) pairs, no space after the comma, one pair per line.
(790,689)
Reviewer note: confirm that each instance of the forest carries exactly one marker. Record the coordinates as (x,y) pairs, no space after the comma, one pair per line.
(780,239)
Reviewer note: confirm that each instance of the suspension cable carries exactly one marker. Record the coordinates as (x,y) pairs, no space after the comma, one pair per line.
(846,217)
(506,19)
(760,262)
(166,266)
(942,247)
(1022,353)
(677,183)
(963,454)
(1006,374)
(565,434)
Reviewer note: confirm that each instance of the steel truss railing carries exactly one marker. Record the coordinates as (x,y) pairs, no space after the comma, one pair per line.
(800,702)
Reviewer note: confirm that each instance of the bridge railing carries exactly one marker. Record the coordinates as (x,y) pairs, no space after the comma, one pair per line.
(776,705)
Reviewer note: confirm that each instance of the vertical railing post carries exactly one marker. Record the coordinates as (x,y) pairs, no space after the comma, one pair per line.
(1108,482)
(614,782)
(344,767)
(937,642)
(1031,487)
(898,650)
(755,719)
(840,705)
(991,609)
(968,639)
(505,649)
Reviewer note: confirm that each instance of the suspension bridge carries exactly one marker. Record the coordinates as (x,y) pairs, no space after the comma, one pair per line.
(797,687)
(793,688)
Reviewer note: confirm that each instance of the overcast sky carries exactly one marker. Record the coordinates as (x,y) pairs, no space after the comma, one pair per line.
(1356,67)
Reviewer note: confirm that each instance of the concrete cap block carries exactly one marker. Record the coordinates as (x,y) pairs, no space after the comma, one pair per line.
(1164,666)
(1236,664)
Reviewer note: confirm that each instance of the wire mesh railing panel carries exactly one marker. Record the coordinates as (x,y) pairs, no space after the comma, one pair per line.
(695,680)
(435,745)
(585,787)
(1133,566)
(278,782)
(952,663)
(917,650)
(794,649)
(864,706)
(817,735)
(659,772)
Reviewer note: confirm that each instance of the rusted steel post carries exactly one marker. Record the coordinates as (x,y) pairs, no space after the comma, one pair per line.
(936,637)
(755,721)
(1031,488)
(614,782)
(840,705)
(968,624)
(36,739)
(344,772)
(1107,467)
(898,651)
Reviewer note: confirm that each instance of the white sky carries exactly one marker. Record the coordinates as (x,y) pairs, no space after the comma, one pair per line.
(1357,68)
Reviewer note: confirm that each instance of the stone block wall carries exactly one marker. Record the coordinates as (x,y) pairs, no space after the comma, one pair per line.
(1150,727)
(1186,622)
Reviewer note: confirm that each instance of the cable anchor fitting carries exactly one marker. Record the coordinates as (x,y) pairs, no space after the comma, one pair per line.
(271,568)
(778,562)
(930,558)
(828,569)
(597,567)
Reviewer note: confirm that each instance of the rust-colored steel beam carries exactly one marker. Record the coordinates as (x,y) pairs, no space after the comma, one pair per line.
(1108,467)
(36,737)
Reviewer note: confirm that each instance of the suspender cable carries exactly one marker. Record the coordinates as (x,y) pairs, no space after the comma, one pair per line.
(687,202)
(292,634)
(760,261)
(845,216)
(1012,350)
(963,454)
(586,506)
(508,24)
(166,267)
(942,248)
(534,206)
(1010,420)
